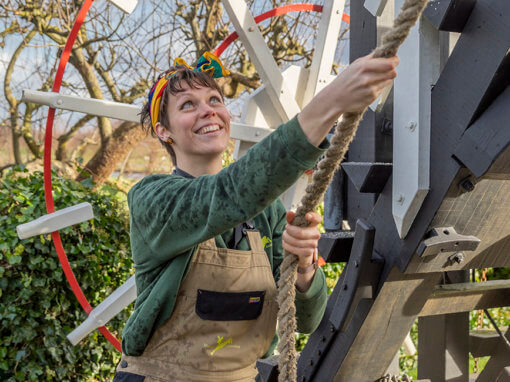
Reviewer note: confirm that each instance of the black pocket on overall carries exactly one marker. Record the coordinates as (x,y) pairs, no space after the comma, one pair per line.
(223,306)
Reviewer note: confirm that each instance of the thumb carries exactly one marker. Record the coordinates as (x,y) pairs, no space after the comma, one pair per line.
(290,216)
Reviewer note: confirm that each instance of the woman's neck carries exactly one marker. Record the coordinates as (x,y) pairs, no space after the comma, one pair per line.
(200,166)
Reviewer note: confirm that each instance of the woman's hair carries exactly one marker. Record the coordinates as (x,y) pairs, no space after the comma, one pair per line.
(194,79)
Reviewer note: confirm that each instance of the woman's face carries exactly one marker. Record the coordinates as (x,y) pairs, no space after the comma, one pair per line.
(199,123)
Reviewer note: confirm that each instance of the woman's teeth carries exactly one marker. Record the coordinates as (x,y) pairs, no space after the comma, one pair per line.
(208,129)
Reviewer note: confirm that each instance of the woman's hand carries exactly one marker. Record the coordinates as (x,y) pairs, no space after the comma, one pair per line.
(363,81)
(352,90)
(302,242)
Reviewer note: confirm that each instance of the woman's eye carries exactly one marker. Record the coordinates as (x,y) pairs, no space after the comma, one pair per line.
(215,99)
(186,105)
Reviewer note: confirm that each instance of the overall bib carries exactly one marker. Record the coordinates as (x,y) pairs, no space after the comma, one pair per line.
(223,321)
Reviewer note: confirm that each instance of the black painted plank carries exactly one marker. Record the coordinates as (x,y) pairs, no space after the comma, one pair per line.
(487,138)
(363,31)
(449,15)
(368,177)
(472,69)
(335,247)
(455,99)
(457,96)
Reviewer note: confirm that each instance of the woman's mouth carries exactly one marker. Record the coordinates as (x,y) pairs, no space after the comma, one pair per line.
(208,129)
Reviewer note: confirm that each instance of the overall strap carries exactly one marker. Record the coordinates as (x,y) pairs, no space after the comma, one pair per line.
(208,244)
(254,240)
(240,231)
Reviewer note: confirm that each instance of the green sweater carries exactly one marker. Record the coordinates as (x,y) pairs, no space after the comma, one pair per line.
(170,215)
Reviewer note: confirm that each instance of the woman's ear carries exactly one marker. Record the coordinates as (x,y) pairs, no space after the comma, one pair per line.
(162,132)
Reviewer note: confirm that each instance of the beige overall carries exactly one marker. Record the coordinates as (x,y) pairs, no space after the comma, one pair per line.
(223,321)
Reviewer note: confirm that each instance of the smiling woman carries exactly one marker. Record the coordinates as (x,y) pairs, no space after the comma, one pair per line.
(179,84)
(207,242)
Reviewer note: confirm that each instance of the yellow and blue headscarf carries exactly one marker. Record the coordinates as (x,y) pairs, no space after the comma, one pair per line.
(207,63)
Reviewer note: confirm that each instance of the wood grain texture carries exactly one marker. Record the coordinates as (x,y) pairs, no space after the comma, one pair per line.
(484,213)
(398,304)
(453,301)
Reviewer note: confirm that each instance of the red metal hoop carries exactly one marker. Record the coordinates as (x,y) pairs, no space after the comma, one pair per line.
(50,207)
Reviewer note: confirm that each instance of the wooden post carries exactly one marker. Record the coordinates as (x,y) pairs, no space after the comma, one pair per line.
(443,342)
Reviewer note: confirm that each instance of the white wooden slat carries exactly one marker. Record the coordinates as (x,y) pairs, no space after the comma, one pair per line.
(125,112)
(259,54)
(55,221)
(92,106)
(324,51)
(105,311)
(126,6)
(417,73)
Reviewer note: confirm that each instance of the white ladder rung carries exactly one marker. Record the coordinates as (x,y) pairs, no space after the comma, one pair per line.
(55,221)
(105,311)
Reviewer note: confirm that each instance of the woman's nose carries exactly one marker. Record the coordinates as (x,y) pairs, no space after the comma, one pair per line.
(206,109)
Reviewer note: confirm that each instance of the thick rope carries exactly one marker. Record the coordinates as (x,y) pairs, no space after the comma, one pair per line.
(344,134)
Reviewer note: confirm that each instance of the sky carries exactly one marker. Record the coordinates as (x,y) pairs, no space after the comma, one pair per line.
(33,57)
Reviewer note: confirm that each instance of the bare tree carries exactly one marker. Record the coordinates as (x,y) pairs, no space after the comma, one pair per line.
(118,57)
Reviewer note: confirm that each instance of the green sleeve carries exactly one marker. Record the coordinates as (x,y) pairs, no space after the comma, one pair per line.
(310,305)
(171,214)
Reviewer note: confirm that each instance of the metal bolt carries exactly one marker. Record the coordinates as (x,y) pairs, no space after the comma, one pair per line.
(412,125)
(250,29)
(338,11)
(59,101)
(310,362)
(345,286)
(323,339)
(400,199)
(457,257)
(319,353)
(467,185)
(257,133)
(387,127)
(356,264)
(331,328)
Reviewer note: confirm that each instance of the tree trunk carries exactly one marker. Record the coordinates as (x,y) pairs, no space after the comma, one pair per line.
(112,152)
(16,136)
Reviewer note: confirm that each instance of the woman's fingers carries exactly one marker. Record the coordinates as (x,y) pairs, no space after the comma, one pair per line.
(313,218)
(302,241)
(302,253)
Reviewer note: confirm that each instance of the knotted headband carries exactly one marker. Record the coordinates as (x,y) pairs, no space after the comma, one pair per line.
(207,63)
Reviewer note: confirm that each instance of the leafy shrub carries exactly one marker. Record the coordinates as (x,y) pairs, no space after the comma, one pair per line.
(37,306)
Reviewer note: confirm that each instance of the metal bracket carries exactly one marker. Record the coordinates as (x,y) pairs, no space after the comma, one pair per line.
(446,239)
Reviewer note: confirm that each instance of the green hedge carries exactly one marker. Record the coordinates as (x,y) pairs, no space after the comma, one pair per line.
(37,306)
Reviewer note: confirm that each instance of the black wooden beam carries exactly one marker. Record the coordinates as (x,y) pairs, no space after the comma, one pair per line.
(335,247)
(449,15)
(456,97)
(368,177)
(487,138)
